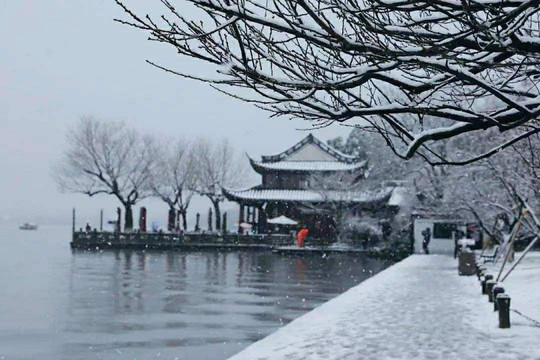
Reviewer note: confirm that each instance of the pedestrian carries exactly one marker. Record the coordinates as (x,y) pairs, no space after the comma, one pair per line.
(88,227)
(427,238)
(458,235)
(302,234)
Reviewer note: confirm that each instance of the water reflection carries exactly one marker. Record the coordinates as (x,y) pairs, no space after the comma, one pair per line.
(211,304)
(58,304)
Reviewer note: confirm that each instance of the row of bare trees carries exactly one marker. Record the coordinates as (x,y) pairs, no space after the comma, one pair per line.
(107,157)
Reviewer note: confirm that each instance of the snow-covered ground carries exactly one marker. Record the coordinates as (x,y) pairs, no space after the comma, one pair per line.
(417,309)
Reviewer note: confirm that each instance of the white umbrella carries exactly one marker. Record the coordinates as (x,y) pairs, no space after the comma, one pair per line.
(246,225)
(282,220)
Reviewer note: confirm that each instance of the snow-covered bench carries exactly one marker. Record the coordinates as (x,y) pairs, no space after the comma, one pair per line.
(491,255)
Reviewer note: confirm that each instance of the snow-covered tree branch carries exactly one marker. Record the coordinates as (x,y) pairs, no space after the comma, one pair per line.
(417,72)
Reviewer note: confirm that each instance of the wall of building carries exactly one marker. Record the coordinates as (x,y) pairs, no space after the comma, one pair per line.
(310,152)
(285,181)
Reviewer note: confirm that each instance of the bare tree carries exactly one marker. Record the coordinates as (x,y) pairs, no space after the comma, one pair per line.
(219,166)
(174,176)
(416,71)
(106,158)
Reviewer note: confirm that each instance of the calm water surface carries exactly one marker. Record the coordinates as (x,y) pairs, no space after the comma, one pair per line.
(56,303)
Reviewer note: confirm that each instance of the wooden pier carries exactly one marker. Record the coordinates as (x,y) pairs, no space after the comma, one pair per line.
(160,240)
(167,241)
(277,243)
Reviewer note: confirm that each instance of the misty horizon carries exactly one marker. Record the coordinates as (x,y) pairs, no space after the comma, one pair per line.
(73,60)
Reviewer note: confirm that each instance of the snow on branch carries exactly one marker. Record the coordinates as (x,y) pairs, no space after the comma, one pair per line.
(418,71)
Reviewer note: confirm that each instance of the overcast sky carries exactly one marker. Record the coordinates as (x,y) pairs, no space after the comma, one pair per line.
(62,59)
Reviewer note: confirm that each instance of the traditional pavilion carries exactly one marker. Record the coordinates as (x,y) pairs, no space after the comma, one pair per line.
(285,199)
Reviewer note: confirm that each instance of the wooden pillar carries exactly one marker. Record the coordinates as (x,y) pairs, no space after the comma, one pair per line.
(73,221)
(261,221)
(240,218)
(255,220)
(210,220)
(224,223)
(118,220)
(142,219)
(101,220)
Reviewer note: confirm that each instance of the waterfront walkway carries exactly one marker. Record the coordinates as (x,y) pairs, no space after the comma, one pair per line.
(419,308)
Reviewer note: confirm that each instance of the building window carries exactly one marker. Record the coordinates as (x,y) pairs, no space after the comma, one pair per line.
(443,230)
(304,184)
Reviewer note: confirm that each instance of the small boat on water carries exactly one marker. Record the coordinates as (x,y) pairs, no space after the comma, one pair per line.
(28,226)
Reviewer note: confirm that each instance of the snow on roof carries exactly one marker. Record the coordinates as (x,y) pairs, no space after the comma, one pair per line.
(456,325)
(305,195)
(308,165)
(282,220)
(310,139)
(399,196)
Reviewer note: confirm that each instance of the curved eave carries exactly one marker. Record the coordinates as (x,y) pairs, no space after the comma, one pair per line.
(255,166)
(231,196)
(250,197)
(262,168)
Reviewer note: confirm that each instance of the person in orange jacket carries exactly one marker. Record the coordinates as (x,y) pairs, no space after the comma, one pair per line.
(302,234)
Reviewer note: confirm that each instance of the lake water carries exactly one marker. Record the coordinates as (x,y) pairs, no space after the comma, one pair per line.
(58,304)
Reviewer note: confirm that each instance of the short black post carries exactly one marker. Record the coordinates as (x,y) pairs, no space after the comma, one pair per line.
(504,311)
(486,278)
(490,284)
(496,291)
(480,271)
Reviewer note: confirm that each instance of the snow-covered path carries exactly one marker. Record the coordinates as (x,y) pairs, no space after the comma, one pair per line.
(419,308)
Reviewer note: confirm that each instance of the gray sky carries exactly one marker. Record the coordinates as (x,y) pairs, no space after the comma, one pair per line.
(61,59)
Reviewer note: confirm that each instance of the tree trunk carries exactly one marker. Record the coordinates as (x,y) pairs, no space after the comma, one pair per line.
(197,225)
(128,217)
(218,215)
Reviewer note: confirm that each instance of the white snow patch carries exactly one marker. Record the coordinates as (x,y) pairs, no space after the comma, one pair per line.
(417,309)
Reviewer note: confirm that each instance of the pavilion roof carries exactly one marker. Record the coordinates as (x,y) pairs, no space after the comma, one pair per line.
(328,151)
(306,166)
(282,220)
(263,195)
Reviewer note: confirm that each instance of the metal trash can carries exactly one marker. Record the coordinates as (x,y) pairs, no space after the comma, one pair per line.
(466,264)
